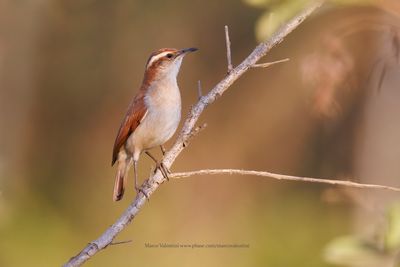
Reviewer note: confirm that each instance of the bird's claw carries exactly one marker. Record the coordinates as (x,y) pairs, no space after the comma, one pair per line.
(164,170)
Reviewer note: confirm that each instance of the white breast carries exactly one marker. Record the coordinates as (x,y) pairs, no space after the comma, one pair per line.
(162,119)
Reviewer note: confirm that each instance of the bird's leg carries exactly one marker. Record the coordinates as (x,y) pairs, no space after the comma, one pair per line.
(135,175)
(159,165)
(162,150)
(137,188)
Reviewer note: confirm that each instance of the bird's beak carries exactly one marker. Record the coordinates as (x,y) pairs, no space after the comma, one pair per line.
(185,51)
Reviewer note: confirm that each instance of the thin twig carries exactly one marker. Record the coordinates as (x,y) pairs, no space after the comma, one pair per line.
(178,175)
(120,242)
(228,49)
(199,89)
(154,181)
(266,65)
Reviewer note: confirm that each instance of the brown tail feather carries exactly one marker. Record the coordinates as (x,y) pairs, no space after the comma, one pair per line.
(119,186)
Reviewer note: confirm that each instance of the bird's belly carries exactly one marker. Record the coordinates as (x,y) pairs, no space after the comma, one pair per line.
(156,128)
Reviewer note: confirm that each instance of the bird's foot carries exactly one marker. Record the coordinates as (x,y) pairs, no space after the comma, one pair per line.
(164,170)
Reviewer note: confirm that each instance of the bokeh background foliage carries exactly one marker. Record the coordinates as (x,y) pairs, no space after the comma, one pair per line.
(69,68)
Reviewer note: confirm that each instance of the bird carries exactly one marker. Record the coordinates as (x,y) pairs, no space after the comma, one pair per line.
(152,117)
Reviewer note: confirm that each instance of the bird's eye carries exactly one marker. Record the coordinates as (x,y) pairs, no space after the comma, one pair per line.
(169,55)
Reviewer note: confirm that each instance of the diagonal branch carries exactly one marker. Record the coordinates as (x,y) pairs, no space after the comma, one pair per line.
(154,181)
(276,176)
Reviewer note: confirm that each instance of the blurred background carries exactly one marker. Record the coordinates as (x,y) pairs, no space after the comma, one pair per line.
(68,70)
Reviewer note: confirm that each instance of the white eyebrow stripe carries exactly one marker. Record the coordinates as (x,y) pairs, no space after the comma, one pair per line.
(157,57)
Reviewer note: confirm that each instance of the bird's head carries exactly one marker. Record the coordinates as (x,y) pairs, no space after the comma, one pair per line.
(166,62)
